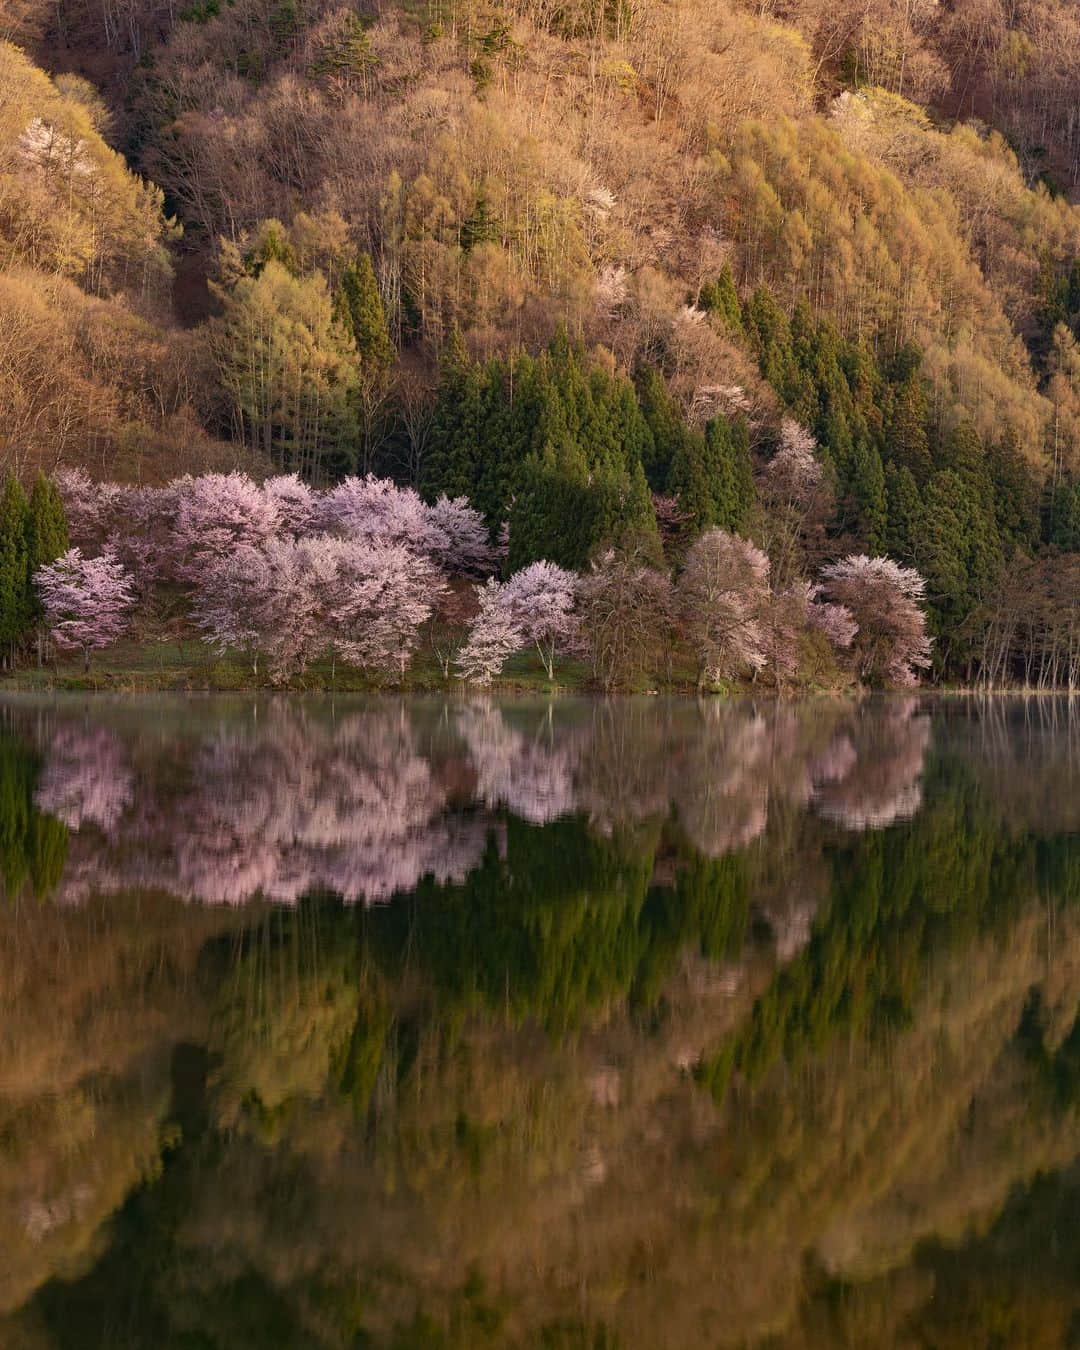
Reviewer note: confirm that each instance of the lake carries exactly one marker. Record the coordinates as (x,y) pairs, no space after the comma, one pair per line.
(572,1025)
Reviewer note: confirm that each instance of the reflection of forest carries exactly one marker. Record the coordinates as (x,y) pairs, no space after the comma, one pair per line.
(634,1073)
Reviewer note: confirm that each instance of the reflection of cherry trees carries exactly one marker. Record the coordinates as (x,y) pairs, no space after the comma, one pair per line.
(282,807)
(529,774)
(874,774)
(86,778)
(287,797)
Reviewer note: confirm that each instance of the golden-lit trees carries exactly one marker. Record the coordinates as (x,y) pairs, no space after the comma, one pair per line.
(823,224)
(287,368)
(68,203)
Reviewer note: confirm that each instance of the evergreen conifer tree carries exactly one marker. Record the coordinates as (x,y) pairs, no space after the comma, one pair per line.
(358,307)
(450,465)
(720,297)
(15,581)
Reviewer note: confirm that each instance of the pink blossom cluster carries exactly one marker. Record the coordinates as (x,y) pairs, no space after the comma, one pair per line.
(278,569)
(170,532)
(359,571)
(535,607)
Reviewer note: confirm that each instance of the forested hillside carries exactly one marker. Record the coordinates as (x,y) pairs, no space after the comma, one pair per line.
(586,263)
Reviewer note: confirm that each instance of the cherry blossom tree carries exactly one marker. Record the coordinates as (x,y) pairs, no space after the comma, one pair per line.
(795,472)
(885,600)
(381,596)
(216,514)
(449,625)
(467,548)
(836,622)
(784,623)
(494,637)
(143,534)
(376,511)
(84,506)
(87,601)
(540,600)
(788,615)
(722,596)
(295,503)
(793,488)
(624,612)
(230,602)
(267,601)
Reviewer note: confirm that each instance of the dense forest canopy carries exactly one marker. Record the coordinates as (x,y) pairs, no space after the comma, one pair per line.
(579,262)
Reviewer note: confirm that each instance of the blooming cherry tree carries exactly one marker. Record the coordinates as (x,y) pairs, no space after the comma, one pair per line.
(467,548)
(143,534)
(723,593)
(267,601)
(231,600)
(885,600)
(540,601)
(295,503)
(836,622)
(375,510)
(216,514)
(87,601)
(624,611)
(494,637)
(380,597)
(84,507)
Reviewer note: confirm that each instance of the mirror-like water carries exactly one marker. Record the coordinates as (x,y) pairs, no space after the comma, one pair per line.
(636,1024)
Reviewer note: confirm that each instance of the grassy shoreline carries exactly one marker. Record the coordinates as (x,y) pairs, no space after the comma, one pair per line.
(188,667)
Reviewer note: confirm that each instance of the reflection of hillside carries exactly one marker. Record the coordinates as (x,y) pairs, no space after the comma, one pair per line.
(469,1118)
(92,1002)
(501,1161)
(1027,752)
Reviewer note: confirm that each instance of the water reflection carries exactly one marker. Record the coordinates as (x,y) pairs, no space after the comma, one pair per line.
(527,1025)
(276,799)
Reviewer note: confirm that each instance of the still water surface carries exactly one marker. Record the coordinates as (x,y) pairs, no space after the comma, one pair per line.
(573,1026)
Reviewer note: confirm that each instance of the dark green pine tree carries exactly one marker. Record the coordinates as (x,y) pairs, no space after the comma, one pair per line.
(1016,493)
(507,418)
(358,307)
(1063,516)
(583,482)
(48,529)
(720,297)
(666,426)
(350,56)
(271,245)
(47,537)
(905,511)
(16,606)
(742,473)
(958,550)
(868,497)
(450,465)
(481,226)
(907,441)
(693,478)
(768,329)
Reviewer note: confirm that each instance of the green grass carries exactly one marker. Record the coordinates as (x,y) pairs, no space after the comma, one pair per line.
(160,664)
(151,666)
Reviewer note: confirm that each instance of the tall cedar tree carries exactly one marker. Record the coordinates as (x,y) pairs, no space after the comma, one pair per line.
(15,592)
(359,308)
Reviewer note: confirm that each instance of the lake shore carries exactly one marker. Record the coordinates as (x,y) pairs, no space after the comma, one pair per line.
(188,667)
